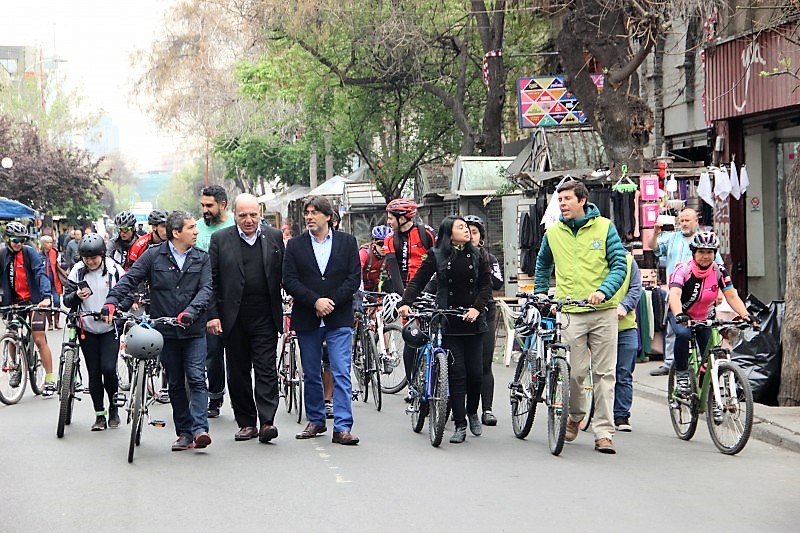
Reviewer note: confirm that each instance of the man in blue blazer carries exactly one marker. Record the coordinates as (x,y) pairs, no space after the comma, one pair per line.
(322,272)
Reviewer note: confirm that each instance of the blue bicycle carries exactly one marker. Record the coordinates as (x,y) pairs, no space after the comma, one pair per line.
(429,387)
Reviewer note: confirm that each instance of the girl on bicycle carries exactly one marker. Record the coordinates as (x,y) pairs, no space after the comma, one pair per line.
(464,280)
(694,286)
(87,287)
(477,230)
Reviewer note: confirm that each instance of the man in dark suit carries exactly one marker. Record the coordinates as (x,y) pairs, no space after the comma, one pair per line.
(322,271)
(246,262)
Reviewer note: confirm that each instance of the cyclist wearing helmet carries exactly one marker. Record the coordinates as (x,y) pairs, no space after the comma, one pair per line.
(120,245)
(408,244)
(99,341)
(23,281)
(693,289)
(373,259)
(477,230)
(158,221)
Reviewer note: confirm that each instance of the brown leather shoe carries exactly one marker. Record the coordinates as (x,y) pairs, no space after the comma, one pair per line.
(311,431)
(604,445)
(344,437)
(267,433)
(246,433)
(573,427)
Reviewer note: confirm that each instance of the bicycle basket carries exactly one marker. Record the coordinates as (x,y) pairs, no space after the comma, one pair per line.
(143,343)
(547,328)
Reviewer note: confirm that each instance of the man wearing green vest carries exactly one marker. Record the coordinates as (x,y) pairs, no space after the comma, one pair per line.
(627,299)
(590,263)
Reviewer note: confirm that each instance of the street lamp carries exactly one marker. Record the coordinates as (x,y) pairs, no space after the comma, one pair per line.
(7,163)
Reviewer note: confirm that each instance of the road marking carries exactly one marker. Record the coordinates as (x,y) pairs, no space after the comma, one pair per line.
(324,455)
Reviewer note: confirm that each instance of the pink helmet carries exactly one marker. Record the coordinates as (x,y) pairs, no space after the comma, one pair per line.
(400,207)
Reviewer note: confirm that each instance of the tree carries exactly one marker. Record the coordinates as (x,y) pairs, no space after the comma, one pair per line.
(789,392)
(183,190)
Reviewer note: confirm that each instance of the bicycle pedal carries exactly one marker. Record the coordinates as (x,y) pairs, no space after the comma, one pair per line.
(411,410)
(77,398)
(158,423)
(120,399)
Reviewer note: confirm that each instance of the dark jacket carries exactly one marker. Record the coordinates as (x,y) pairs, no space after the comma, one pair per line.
(172,290)
(227,272)
(303,280)
(38,283)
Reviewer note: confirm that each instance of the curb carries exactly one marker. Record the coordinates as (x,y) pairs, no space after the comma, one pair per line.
(763,429)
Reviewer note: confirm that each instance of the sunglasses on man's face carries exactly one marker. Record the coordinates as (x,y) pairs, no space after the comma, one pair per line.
(126,228)
(19,240)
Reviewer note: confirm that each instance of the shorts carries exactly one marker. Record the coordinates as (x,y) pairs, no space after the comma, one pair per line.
(38,319)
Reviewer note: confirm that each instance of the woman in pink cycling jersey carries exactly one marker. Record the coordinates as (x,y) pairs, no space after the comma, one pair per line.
(693,288)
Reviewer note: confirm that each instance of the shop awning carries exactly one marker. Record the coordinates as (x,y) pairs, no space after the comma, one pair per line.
(11,209)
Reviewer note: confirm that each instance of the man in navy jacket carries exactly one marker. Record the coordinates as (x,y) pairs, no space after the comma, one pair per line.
(322,272)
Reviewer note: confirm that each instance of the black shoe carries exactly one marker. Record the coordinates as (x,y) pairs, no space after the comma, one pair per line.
(489,419)
(213,408)
(113,418)
(329,410)
(459,435)
(475,425)
(15,379)
(408,398)
(622,424)
(184,442)
(99,423)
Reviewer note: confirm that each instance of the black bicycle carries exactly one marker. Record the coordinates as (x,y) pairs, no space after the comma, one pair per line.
(366,366)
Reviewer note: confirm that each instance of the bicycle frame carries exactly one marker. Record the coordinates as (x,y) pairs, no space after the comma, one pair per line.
(425,356)
(713,354)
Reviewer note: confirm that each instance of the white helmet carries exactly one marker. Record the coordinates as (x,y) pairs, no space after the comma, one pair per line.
(389,310)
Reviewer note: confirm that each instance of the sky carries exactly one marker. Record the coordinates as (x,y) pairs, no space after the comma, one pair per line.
(95,40)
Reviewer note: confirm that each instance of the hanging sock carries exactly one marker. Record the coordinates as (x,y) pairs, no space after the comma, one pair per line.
(735,187)
(722,184)
(704,189)
(744,180)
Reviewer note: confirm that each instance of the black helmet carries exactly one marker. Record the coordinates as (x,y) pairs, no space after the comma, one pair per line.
(125,219)
(414,335)
(156,217)
(91,245)
(473,220)
(16,229)
(143,343)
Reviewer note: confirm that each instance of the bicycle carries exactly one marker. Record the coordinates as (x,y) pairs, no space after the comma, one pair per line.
(543,372)
(720,389)
(19,355)
(365,351)
(69,373)
(429,385)
(290,370)
(144,359)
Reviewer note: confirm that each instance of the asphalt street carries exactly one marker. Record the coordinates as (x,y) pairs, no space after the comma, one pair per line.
(393,481)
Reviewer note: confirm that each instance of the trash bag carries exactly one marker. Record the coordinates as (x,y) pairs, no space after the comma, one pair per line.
(760,352)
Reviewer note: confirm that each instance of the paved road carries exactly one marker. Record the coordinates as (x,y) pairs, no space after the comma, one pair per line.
(393,481)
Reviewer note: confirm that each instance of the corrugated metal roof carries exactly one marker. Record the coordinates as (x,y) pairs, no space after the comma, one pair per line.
(560,149)
(361,195)
(734,86)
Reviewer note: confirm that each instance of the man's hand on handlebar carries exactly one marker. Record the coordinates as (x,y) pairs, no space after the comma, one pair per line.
(404,311)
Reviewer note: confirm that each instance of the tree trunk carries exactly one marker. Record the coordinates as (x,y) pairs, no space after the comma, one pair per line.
(491,31)
(789,392)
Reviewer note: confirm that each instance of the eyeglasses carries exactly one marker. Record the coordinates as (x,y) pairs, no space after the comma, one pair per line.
(126,228)
(379,242)
(19,240)
(311,213)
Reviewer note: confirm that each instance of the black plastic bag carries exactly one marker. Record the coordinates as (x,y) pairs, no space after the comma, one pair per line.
(760,352)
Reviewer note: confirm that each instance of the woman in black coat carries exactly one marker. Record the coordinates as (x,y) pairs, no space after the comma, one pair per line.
(463,272)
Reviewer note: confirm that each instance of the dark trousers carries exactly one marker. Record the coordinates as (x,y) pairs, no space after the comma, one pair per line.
(100,354)
(251,348)
(465,371)
(487,383)
(215,367)
(184,362)
(683,336)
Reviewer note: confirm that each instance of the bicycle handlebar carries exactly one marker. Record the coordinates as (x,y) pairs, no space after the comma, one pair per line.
(144,319)
(714,323)
(547,300)
(453,311)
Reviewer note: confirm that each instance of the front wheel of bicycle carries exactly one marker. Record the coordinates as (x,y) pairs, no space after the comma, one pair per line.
(731,421)
(14,372)
(438,402)
(36,370)
(373,369)
(523,395)
(682,410)
(419,407)
(137,402)
(393,377)
(558,405)
(296,373)
(65,391)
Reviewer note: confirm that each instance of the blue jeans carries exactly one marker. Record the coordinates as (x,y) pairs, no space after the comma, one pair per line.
(185,363)
(682,337)
(340,353)
(215,366)
(627,348)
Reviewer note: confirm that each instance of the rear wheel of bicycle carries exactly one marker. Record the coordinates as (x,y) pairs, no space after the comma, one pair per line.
(731,421)
(558,405)
(682,410)
(36,370)
(357,368)
(438,403)
(284,376)
(137,400)
(373,369)
(296,373)
(523,395)
(419,408)
(65,391)
(123,372)
(393,377)
(588,401)
(13,368)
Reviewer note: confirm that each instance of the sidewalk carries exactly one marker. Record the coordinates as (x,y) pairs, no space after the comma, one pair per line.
(779,426)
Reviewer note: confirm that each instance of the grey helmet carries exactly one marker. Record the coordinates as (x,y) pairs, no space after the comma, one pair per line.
(16,229)
(125,219)
(143,343)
